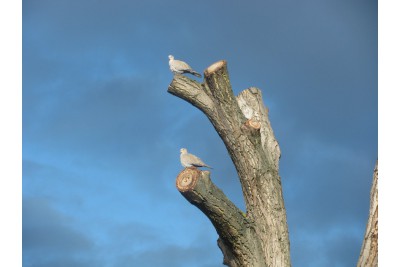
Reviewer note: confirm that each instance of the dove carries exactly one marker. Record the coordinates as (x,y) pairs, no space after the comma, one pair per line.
(177,66)
(189,160)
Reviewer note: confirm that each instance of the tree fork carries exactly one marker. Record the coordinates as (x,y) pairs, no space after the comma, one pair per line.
(243,125)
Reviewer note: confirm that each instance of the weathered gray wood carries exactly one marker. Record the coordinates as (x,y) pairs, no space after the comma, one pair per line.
(369,249)
(243,125)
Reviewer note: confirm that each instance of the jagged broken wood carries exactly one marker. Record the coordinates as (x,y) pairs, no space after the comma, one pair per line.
(258,237)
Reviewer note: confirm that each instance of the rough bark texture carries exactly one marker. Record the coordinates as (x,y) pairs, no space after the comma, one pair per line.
(369,250)
(260,236)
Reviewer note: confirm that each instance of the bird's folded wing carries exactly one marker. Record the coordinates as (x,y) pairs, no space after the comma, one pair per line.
(180,65)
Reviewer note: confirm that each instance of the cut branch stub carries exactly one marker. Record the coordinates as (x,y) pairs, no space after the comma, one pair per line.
(215,67)
(187,179)
(217,78)
(254,124)
(218,83)
(231,224)
(252,128)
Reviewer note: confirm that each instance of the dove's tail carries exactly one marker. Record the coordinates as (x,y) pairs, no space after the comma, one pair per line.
(195,73)
(201,165)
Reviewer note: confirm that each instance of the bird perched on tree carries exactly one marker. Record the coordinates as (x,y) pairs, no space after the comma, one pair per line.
(177,66)
(189,160)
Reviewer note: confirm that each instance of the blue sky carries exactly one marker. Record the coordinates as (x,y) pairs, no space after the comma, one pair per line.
(101,135)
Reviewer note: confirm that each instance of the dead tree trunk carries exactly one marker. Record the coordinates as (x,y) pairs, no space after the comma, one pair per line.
(369,249)
(258,237)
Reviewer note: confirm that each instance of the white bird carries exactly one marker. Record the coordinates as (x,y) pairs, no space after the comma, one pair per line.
(177,66)
(189,160)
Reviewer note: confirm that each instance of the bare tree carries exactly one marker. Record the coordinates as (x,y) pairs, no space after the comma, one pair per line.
(258,237)
(369,249)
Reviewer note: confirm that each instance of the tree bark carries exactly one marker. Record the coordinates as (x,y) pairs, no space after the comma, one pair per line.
(369,249)
(258,237)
